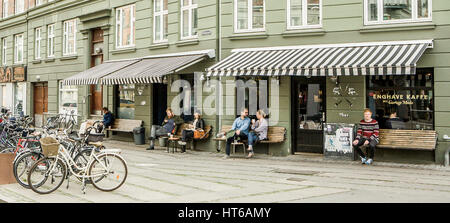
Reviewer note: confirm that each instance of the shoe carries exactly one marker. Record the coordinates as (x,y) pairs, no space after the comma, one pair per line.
(226,157)
(363,160)
(151,148)
(182,143)
(250,155)
(369,161)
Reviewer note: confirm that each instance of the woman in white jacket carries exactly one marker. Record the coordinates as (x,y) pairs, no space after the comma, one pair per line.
(259,131)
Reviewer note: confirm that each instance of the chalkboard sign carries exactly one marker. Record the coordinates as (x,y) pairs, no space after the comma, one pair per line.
(338,138)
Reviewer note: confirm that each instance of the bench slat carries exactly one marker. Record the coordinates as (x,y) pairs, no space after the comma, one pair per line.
(408,139)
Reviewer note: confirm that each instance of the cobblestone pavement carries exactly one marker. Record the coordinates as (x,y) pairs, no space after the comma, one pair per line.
(158,176)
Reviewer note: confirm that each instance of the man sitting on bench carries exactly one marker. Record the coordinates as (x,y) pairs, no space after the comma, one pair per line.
(108,120)
(367,134)
(240,128)
(168,126)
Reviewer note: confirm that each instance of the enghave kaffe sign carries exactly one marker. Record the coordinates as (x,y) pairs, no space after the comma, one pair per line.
(399,99)
(12,74)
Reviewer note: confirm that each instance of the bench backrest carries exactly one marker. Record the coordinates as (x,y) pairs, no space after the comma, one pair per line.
(408,139)
(126,125)
(274,133)
(186,126)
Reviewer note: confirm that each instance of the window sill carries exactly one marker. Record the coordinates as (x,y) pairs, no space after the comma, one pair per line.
(304,32)
(37,61)
(124,50)
(240,36)
(159,46)
(50,60)
(187,42)
(73,57)
(397,27)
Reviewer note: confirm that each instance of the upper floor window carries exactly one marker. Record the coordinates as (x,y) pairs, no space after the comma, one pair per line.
(18,48)
(160,20)
(249,15)
(4,50)
(20,6)
(396,11)
(189,19)
(5,8)
(70,37)
(37,43)
(51,40)
(304,14)
(125,28)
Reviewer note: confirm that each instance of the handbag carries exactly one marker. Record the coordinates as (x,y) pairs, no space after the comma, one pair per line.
(198,134)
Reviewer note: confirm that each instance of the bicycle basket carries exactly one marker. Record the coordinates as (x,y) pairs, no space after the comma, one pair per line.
(49,146)
(95,137)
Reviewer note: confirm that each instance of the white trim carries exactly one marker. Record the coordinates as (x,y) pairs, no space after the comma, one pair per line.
(18,45)
(119,22)
(318,46)
(51,41)
(304,16)
(190,8)
(249,18)
(5,6)
(37,42)
(380,17)
(161,14)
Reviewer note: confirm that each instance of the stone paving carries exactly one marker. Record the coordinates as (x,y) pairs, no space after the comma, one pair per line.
(158,176)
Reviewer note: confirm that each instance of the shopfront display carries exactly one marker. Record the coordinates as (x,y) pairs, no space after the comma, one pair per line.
(126,102)
(13,89)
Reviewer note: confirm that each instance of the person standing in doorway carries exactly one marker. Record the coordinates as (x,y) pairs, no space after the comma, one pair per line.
(367,135)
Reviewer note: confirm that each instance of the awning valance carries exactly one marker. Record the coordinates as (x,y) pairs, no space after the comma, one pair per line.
(94,74)
(374,58)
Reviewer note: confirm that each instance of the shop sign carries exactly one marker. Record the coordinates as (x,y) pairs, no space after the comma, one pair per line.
(12,74)
(338,139)
(399,99)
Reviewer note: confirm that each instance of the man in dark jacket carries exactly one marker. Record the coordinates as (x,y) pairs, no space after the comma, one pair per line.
(171,121)
(108,118)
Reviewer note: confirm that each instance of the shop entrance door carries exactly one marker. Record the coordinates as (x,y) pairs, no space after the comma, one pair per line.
(40,102)
(159,103)
(309,114)
(96,59)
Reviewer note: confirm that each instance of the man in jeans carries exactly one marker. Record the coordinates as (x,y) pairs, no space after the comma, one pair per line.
(367,134)
(241,127)
(169,124)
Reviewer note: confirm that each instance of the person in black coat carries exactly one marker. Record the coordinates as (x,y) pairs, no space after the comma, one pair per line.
(188,134)
(108,118)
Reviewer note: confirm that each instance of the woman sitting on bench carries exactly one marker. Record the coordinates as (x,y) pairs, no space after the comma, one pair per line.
(196,130)
(259,131)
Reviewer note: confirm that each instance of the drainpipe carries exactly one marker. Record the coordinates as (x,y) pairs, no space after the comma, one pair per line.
(447,153)
(219,56)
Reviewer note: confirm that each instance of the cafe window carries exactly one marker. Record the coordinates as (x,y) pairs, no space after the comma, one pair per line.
(403,102)
(126,102)
(68,98)
(396,11)
(254,86)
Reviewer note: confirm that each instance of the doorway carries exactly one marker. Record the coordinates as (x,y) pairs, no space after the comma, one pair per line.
(40,103)
(308,98)
(96,59)
(159,103)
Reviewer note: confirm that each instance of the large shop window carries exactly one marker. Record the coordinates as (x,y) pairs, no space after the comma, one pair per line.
(126,103)
(396,11)
(409,96)
(249,15)
(304,14)
(68,99)
(19,98)
(249,95)
(125,26)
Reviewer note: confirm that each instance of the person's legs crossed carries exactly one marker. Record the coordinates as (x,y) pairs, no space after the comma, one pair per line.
(358,148)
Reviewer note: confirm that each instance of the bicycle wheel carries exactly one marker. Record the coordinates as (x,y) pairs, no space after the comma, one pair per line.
(23,165)
(109,172)
(46,175)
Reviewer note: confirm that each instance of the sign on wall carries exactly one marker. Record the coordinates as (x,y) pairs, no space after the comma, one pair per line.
(338,138)
(12,74)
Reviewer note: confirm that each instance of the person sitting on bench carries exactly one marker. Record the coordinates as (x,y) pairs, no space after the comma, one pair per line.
(168,126)
(238,130)
(108,120)
(367,134)
(196,129)
(259,131)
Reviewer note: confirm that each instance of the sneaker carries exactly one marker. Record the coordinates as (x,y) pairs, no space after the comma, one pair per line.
(151,148)
(226,157)
(369,161)
(363,160)
(182,143)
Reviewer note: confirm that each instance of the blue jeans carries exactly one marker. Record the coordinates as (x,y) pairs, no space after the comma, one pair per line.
(252,139)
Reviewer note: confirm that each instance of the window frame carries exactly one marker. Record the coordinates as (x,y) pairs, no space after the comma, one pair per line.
(66,38)
(51,41)
(4,51)
(16,49)
(380,11)
(16,6)
(5,8)
(304,16)
(190,8)
(160,13)
(120,22)
(37,43)
(61,90)
(249,18)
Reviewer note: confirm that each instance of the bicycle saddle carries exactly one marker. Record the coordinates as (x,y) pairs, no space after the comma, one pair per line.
(96,144)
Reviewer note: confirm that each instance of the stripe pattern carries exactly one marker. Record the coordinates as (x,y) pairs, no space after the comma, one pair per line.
(151,70)
(369,59)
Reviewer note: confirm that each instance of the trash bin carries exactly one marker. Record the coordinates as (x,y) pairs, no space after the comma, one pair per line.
(139,135)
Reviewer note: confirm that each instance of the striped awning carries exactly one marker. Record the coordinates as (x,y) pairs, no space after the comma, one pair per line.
(374,58)
(94,74)
(152,70)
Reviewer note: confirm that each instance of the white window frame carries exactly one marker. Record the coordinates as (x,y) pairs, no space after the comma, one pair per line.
(51,41)
(37,43)
(249,19)
(380,13)
(5,8)
(161,13)
(119,22)
(66,36)
(61,90)
(190,8)
(19,8)
(18,46)
(4,51)
(304,16)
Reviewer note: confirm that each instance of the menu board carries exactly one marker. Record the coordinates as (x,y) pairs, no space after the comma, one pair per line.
(338,138)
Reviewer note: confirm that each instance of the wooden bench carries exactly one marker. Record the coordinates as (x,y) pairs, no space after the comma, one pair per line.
(124,125)
(408,139)
(184,126)
(275,134)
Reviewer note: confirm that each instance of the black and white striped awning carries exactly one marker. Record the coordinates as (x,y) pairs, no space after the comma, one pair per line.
(373,58)
(94,74)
